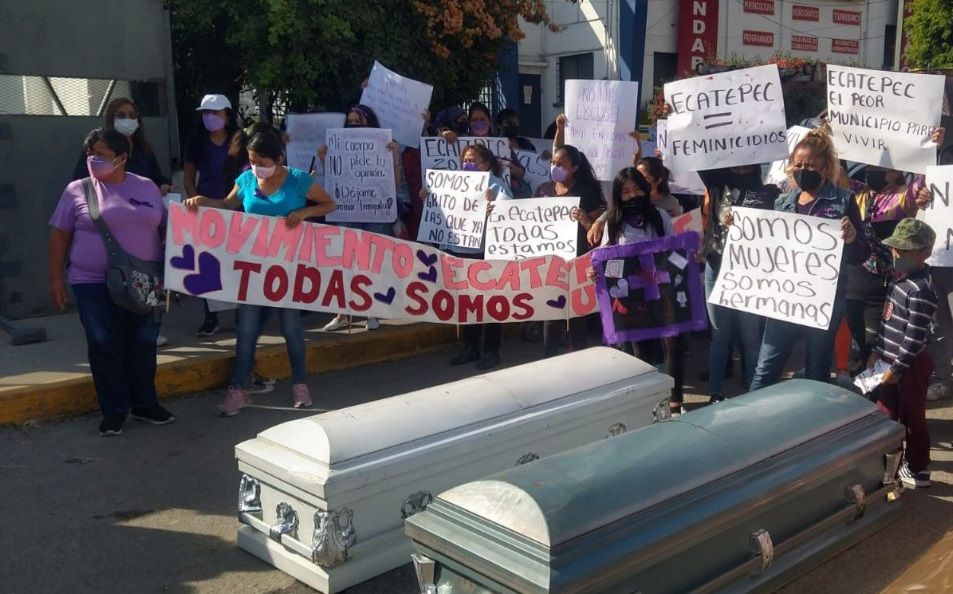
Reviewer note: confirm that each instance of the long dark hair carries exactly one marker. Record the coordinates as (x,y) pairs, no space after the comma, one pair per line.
(614,218)
(237,159)
(266,140)
(658,171)
(139,141)
(485,154)
(368,113)
(585,175)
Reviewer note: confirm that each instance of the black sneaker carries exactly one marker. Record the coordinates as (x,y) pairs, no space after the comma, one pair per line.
(111,425)
(155,415)
(488,361)
(260,384)
(208,328)
(715,399)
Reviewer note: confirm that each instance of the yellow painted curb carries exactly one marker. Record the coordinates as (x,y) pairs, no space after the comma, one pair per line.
(177,378)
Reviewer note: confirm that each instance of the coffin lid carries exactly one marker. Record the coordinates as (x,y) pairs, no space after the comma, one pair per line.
(564,496)
(347,434)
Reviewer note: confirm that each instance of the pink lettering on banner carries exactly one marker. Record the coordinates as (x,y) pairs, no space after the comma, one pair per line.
(403,260)
(382,245)
(583,295)
(510,276)
(558,274)
(449,265)
(473,275)
(212,229)
(287,239)
(357,247)
(532,265)
(260,248)
(322,241)
(183,222)
(239,230)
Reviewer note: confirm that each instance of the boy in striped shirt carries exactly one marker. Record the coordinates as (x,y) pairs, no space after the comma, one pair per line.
(902,341)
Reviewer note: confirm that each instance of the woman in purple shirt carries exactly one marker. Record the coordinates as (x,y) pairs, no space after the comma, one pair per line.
(121,344)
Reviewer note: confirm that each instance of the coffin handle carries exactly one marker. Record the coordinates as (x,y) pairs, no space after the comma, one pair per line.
(249,496)
(426,569)
(334,535)
(415,503)
(616,430)
(661,412)
(858,497)
(527,458)
(764,546)
(287,522)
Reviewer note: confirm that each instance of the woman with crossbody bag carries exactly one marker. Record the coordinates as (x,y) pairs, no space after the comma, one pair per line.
(111,270)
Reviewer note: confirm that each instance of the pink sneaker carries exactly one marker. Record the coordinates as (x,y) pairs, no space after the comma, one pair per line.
(235,400)
(300,396)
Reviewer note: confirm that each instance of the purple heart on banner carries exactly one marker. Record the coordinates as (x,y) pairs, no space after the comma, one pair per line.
(207,279)
(186,261)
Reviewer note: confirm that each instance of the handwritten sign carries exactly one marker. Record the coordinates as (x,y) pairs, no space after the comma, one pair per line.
(884,118)
(243,258)
(602,114)
(399,103)
(306,132)
(437,153)
(360,176)
(649,289)
(684,181)
(455,209)
(776,174)
(781,265)
(518,229)
(939,213)
(536,168)
(726,119)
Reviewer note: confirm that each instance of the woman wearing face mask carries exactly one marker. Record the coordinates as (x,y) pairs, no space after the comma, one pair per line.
(508,123)
(273,189)
(658,175)
(476,157)
(122,115)
(214,156)
(362,116)
(819,191)
(572,176)
(631,218)
(121,344)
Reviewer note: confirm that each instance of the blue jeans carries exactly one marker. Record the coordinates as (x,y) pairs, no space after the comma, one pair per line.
(251,320)
(121,348)
(778,342)
(724,322)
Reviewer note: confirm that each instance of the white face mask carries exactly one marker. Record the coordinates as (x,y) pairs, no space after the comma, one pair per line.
(126,127)
(262,172)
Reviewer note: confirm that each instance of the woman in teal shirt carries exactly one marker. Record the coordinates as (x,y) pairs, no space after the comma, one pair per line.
(273,189)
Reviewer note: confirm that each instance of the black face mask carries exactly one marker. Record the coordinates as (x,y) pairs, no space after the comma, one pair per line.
(633,205)
(807,179)
(746,181)
(877,180)
(511,131)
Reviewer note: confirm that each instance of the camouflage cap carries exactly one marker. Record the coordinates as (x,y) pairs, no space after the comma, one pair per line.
(911,234)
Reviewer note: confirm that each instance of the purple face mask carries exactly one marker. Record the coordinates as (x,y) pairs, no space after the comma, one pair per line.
(479,127)
(212,122)
(469,166)
(100,167)
(558,173)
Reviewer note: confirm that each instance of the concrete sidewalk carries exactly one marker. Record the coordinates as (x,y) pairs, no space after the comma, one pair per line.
(51,380)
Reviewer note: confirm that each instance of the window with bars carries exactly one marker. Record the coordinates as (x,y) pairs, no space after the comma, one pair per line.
(577,67)
(61,96)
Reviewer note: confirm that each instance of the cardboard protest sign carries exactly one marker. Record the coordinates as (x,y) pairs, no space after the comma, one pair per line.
(684,181)
(939,213)
(884,118)
(399,103)
(601,114)
(776,174)
(455,209)
(649,289)
(360,176)
(307,132)
(518,229)
(242,258)
(781,265)
(726,119)
(536,168)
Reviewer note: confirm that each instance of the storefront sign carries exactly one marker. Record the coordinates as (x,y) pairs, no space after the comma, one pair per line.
(697,33)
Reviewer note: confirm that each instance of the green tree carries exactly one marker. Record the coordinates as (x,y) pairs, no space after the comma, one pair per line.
(930,34)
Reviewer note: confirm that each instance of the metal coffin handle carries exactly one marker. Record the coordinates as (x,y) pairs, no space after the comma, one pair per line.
(249,496)
(415,503)
(858,497)
(763,546)
(287,522)
(334,536)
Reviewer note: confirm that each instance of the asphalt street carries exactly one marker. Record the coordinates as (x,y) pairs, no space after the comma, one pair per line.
(154,510)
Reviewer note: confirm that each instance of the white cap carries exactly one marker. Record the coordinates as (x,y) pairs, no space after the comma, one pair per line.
(214,102)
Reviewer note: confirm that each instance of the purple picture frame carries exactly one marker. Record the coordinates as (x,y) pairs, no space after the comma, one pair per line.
(648,285)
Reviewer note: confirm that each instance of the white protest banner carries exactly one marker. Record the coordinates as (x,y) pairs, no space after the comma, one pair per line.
(684,181)
(437,153)
(360,176)
(781,265)
(939,214)
(455,209)
(307,132)
(242,258)
(884,118)
(535,167)
(776,174)
(726,119)
(528,227)
(602,114)
(399,103)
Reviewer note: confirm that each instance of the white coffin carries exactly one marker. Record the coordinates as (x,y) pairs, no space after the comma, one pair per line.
(358,472)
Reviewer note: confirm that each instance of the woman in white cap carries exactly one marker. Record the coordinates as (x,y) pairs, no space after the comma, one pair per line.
(214,156)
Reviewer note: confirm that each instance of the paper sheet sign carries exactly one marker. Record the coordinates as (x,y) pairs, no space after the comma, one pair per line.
(536,167)
(437,153)
(939,214)
(601,115)
(649,289)
(884,118)
(307,132)
(455,208)
(243,258)
(399,103)
(360,176)
(528,227)
(781,265)
(684,181)
(726,119)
